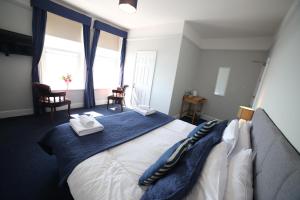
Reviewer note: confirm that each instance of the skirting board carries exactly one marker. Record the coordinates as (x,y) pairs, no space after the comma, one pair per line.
(208,117)
(203,116)
(16,113)
(101,102)
(176,116)
(29,111)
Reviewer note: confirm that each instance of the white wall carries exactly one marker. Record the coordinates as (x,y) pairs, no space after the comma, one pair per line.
(188,63)
(15,70)
(15,17)
(241,83)
(198,66)
(182,65)
(280,93)
(167,49)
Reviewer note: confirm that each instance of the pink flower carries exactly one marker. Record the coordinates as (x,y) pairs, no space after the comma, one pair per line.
(67,78)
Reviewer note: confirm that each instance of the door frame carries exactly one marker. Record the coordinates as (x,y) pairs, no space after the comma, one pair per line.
(260,81)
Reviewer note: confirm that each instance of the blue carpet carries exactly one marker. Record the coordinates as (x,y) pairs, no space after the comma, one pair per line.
(26,171)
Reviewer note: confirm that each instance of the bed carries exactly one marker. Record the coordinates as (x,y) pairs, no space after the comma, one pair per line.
(114,173)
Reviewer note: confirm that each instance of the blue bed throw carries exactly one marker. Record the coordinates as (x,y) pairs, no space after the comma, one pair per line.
(71,149)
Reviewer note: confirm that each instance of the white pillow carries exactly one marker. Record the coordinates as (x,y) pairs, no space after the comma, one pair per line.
(243,141)
(212,181)
(239,181)
(230,135)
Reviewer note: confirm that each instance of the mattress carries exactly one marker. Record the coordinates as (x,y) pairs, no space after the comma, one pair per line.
(114,174)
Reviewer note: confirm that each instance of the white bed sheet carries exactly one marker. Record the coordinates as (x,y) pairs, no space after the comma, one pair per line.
(114,174)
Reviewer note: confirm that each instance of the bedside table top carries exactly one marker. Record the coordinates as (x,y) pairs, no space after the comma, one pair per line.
(194,99)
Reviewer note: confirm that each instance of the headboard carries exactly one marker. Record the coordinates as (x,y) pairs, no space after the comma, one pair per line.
(277,163)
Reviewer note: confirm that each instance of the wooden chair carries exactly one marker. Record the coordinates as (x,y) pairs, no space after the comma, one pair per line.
(118,97)
(47,98)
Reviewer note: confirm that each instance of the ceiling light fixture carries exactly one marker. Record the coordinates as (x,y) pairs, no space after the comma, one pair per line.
(128,6)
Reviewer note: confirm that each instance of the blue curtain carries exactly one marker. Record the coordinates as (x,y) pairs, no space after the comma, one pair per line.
(39,19)
(94,45)
(122,63)
(61,11)
(110,29)
(89,97)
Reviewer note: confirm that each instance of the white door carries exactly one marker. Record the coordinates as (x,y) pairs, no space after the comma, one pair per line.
(143,77)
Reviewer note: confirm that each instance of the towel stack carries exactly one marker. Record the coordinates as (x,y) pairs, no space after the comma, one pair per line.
(85,125)
(144,110)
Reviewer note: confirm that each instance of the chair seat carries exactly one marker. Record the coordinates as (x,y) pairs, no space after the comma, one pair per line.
(56,103)
(112,97)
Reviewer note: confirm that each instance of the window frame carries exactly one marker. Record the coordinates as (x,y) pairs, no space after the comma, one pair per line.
(73,47)
(107,53)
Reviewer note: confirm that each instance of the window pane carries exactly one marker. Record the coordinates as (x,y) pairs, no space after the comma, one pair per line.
(58,63)
(106,69)
(222,81)
(61,57)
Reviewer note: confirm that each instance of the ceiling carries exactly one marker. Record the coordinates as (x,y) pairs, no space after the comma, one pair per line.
(211,18)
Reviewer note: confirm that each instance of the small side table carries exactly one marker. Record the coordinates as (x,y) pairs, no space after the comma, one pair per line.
(195,104)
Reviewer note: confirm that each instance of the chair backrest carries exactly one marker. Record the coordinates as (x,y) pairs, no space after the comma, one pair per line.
(124,89)
(120,92)
(41,89)
(117,93)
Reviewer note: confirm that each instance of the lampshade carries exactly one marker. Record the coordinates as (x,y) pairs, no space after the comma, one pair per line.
(128,6)
(245,113)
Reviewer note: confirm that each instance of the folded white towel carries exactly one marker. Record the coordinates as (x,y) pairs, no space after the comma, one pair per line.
(144,110)
(82,130)
(86,121)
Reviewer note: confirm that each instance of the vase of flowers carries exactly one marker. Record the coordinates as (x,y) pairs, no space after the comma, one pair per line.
(68,79)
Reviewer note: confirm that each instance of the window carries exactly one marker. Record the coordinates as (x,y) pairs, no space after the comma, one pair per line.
(63,54)
(61,57)
(106,69)
(222,81)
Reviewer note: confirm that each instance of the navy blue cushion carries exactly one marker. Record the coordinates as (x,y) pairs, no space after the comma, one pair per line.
(181,179)
(202,130)
(195,130)
(166,162)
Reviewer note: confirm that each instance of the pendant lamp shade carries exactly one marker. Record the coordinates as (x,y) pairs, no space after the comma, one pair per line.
(128,6)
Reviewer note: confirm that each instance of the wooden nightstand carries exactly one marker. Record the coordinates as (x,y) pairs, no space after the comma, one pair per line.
(195,105)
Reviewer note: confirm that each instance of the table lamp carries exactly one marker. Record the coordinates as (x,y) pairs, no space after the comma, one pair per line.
(245,113)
